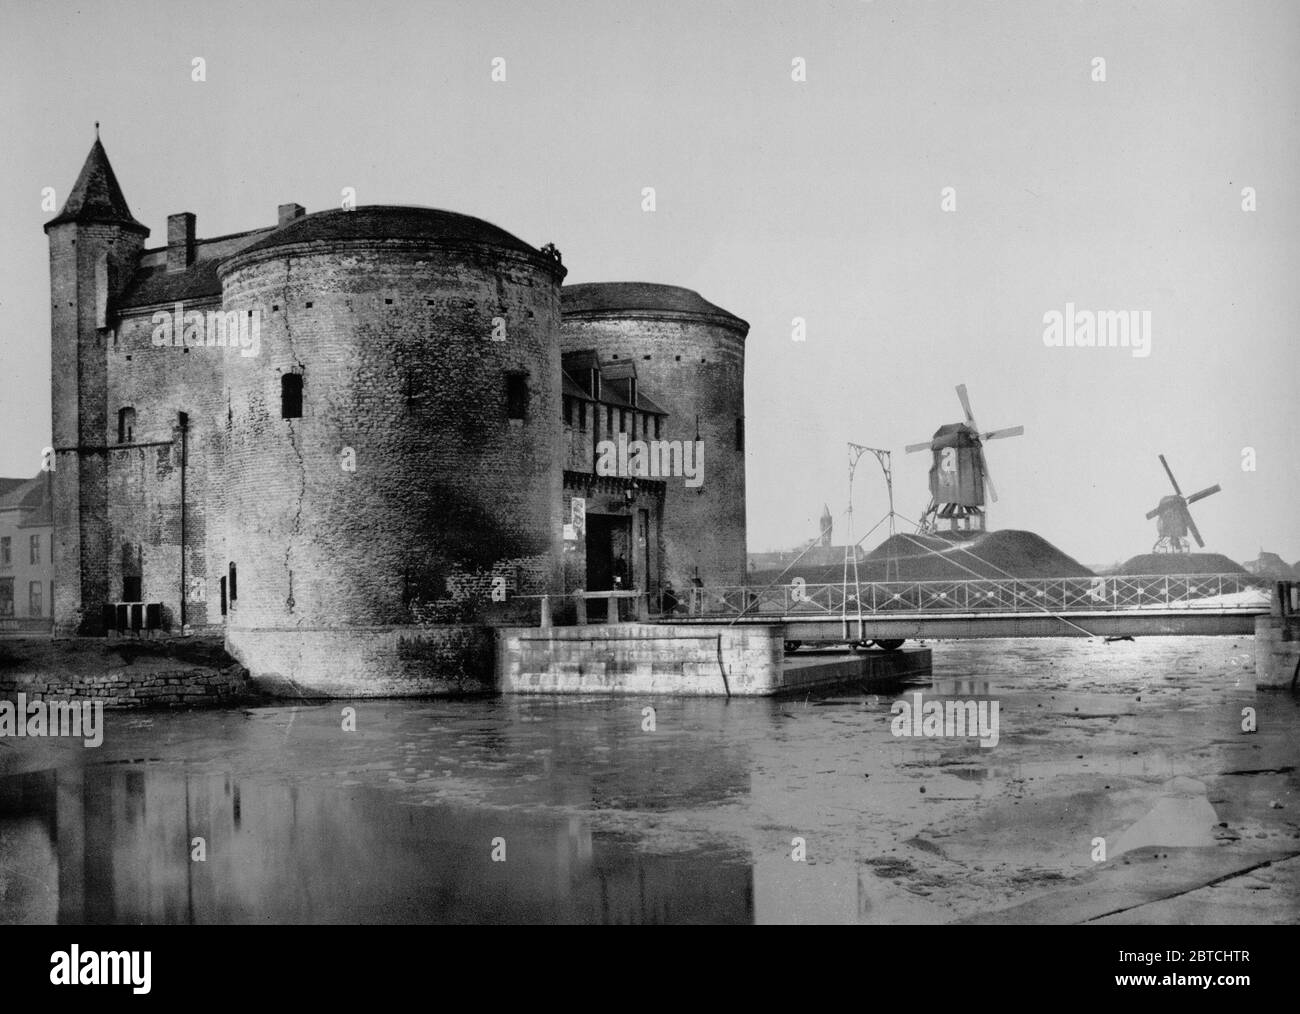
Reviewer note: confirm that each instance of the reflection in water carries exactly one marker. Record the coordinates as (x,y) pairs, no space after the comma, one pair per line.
(606,821)
(106,844)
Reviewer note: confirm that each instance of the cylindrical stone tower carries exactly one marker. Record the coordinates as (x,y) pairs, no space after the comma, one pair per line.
(689,357)
(394,434)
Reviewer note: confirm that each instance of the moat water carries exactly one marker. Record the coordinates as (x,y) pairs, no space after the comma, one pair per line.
(556,810)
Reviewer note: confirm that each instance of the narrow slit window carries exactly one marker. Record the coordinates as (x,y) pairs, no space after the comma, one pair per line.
(232,586)
(125,425)
(291,396)
(516,395)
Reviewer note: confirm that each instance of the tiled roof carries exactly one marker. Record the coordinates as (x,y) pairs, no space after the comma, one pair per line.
(591,298)
(96,196)
(31,495)
(618,369)
(584,359)
(609,396)
(158,285)
(154,284)
(646,405)
(391,222)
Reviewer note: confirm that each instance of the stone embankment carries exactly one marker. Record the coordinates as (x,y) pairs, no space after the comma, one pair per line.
(174,672)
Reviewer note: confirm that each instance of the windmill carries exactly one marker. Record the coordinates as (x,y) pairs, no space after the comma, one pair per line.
(960,472)
(1175,520)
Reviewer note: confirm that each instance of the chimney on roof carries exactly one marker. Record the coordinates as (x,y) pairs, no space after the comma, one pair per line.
(180,241)
(288,212)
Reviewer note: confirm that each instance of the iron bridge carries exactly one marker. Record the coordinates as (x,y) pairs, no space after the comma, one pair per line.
(1199,604)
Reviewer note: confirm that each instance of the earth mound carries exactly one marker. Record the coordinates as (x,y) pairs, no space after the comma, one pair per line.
(946,556)
(1180,563)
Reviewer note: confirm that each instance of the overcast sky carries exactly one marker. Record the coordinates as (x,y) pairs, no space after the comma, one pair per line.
(776,199)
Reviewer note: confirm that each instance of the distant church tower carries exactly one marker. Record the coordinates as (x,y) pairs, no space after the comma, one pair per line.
(95,245)
(827,522)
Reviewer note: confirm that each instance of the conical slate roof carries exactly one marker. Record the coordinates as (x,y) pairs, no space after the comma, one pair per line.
(96,196)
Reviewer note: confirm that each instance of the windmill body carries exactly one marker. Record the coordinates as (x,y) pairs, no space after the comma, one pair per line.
(1174,520)
(959,473)
(955,476)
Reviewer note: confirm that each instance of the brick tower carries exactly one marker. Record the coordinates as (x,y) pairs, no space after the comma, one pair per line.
(95,245)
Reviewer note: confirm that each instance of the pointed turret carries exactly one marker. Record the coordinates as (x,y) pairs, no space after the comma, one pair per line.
(95,248)
(96,196)
(827,522)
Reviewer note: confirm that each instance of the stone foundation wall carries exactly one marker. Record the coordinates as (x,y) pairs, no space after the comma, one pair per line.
(133,687)
(636,658)
(391,661)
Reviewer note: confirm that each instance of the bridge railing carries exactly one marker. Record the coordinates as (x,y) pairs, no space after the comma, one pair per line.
(1219,592)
